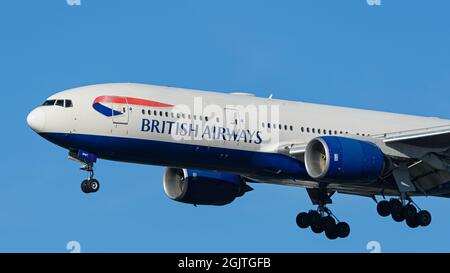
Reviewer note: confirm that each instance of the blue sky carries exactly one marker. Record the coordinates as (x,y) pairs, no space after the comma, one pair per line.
(393,57)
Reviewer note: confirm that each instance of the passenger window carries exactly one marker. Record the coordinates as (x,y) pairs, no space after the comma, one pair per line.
(291,128)
(60,103)
(149,112)
(69,104)
(161,113)
(217,119)
(262,124)
(206,118)
(302,129)
(268,125)
(285,127)
(307,129)
(318,131)
(167,114)
(143,111)
(155,112)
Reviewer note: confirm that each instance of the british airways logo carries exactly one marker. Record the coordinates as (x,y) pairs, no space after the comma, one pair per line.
(104,104)
(196,131)
(111,106)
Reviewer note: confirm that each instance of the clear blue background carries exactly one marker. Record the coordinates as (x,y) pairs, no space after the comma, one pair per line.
(393,57)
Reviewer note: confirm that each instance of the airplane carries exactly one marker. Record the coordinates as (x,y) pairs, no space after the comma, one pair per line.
(215,145)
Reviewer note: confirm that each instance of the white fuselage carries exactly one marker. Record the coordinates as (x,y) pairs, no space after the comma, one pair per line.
(239,121)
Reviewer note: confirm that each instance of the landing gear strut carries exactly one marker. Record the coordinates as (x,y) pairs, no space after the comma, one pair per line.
(322,219)
(404,210)
(89,185)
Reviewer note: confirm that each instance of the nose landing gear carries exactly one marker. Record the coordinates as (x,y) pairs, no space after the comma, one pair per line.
(89,185)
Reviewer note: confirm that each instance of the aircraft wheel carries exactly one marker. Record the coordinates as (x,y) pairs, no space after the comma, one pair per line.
(424,218)
(85,186)
(303,220)
(93,185)
(316,227)
(384,208)
(398,217)
(409,211)
(412,222)
(343,229)
(396,206)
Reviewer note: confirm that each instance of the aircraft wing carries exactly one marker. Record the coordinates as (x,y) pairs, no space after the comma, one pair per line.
(430,173)
(435,137)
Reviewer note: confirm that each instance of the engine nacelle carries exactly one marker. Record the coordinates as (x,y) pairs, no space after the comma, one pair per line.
(203,187)
(344,159)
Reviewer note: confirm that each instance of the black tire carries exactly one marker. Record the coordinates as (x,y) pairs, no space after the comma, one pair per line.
(384,208)
(342,230)
(424,218)
(412,222)
(303,220)
(328,222)
(85,186)
(397,217)
(93,185)
(314,217)
(409,212)
(396,206)
(316,228)
(331,232)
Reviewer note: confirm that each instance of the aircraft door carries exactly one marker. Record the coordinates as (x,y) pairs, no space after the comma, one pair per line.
(120,113)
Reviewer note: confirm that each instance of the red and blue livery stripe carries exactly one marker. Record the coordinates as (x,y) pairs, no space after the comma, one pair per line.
(103,104)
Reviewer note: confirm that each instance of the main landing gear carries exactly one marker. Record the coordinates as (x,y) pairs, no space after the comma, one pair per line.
(89,185)
(404,210)
(322,219)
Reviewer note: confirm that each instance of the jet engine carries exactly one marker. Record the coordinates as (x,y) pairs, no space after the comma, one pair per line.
(203,187)
(344,159)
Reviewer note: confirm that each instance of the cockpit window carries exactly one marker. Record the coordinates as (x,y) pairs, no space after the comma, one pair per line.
(62,103)
(49,103)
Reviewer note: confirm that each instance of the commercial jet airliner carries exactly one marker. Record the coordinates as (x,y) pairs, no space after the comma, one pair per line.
(214,145)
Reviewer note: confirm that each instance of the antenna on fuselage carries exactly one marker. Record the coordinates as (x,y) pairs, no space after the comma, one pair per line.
(270,97)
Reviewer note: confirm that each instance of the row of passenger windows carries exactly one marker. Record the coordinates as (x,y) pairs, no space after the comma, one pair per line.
(62,103)
(264,125)
(279,126)
(176,115)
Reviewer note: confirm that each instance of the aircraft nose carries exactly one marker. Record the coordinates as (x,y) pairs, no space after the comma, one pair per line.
(36,120)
